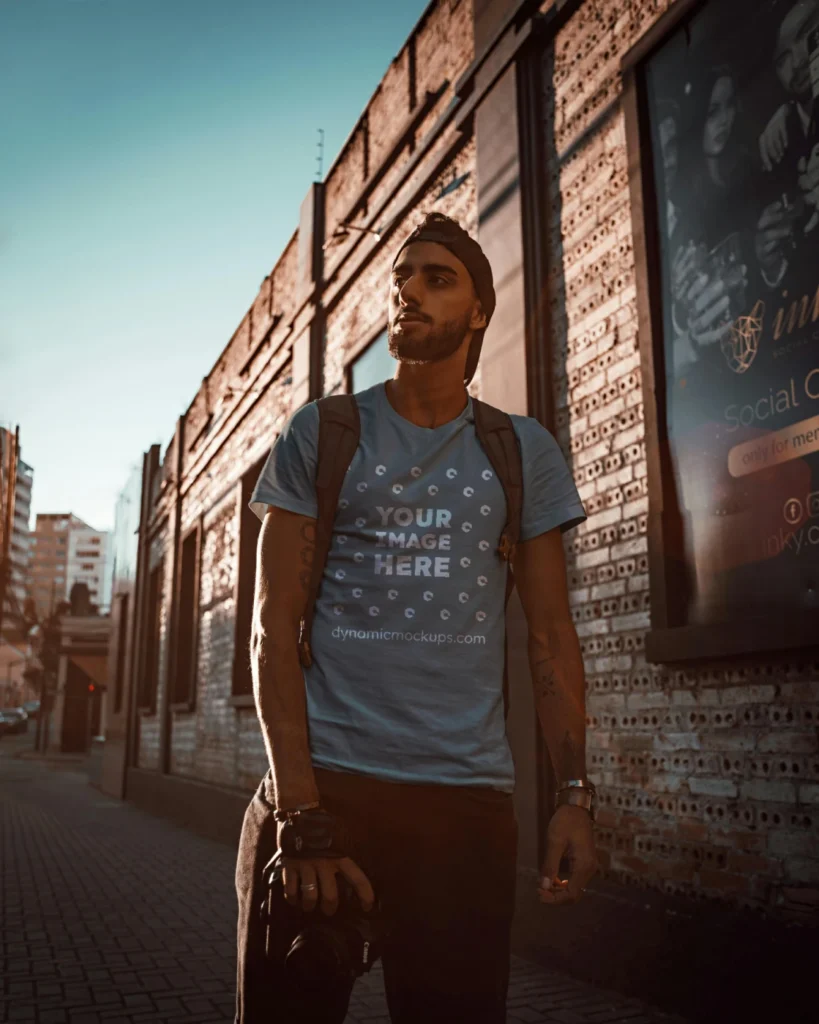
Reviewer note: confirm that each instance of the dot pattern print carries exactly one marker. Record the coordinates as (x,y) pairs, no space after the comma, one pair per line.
(417,540)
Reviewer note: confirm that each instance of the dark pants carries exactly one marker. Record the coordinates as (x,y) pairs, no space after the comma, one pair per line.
(442,861)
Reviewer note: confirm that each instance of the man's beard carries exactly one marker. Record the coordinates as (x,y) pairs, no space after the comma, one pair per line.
(438,343)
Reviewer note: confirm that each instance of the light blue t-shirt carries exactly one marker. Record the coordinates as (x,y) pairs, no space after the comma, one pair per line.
(408,634)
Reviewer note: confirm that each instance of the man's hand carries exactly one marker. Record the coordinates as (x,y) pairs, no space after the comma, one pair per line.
(321,872)
(702,303)
(774,139)
(570,834)
(773,230)
(708,309)
(809,183)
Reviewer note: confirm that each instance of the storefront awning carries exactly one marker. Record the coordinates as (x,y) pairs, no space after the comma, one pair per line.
(95,666)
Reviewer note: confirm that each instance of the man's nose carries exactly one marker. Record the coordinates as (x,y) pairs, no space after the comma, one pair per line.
(411,293)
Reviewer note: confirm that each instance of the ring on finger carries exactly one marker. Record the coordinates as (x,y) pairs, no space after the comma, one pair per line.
(305,888)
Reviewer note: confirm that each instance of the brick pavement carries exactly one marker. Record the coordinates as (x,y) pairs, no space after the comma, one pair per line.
(110,916)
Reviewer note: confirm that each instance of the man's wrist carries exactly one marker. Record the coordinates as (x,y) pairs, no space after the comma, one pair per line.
(285,813)
(579,792)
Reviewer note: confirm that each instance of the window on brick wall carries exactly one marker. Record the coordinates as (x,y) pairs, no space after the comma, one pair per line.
(375,364)
(183,683)
(150,668)
(249,528)
(122,635)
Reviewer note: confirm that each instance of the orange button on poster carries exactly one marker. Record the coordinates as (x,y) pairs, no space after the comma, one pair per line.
(791,442)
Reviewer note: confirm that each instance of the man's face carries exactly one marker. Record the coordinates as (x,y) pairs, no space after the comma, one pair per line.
(792,57)
(432,305)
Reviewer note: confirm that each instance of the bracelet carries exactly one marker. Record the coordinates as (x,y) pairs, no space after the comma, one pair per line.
(286,815)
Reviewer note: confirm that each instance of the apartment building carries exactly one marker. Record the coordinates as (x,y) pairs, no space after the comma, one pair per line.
(16,480)
(50,544)
(89,562)
(20,552)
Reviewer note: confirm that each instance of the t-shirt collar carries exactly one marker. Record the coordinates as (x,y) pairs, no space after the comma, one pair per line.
(386,409)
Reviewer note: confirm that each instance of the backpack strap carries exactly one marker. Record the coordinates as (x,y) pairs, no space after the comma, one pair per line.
(339,432)
(497,436)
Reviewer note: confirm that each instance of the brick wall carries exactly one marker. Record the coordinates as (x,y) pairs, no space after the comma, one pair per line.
(709,776)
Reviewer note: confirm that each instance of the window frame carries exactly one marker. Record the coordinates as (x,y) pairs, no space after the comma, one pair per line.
(123,610)
(359,351)
(149,682)
(185,655)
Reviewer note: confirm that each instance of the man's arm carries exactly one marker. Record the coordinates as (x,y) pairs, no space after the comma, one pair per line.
(557,674)
(284,560)
(555,659)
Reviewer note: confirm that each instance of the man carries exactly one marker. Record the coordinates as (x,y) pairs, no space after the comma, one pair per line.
(397,728)
(787,229)
(795,119)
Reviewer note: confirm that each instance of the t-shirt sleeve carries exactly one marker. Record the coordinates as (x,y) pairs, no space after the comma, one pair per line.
(550,497)
(288,478)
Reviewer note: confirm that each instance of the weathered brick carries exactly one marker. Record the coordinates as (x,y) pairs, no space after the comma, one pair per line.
(802,869)
(602,591)
(809,793)
(769,790)
(712,787)
(788,743)
(677,741)
(588,559)
(644,701)
(782,843)
(734,695)
(636,620)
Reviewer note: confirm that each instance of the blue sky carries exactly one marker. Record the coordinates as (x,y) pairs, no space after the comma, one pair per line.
(155,155)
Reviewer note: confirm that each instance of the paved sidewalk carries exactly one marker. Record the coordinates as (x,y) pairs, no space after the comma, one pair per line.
(110,915)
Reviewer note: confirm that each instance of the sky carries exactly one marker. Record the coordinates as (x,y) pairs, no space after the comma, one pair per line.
(154,158)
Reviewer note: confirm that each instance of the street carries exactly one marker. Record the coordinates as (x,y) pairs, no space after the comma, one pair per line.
(111,915)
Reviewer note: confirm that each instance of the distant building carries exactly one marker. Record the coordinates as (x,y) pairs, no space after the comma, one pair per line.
(48,572)
(89,562)
(20,511)
(20,552)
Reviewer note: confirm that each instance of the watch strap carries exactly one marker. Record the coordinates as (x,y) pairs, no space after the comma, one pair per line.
(577,797)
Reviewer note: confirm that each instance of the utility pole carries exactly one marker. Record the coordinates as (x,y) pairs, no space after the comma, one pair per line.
(8,487)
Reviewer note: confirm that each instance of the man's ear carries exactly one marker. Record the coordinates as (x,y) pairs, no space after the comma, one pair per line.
(478,318)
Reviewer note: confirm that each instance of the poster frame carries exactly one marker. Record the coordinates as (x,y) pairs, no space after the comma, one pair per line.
(670,638)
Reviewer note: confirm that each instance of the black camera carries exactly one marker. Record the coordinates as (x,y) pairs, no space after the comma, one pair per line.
(328,950)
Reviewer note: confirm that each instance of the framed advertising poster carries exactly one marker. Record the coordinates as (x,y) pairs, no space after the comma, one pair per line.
(723,127)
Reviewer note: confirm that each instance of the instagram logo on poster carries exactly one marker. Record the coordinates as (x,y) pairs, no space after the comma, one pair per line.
(813,505)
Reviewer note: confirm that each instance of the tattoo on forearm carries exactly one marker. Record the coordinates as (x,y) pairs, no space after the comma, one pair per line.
(545,679)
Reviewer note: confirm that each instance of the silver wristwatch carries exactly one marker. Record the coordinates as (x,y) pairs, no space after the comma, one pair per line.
(579,793)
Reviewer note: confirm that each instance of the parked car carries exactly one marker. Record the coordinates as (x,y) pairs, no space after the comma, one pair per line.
(14,720)
(32,708)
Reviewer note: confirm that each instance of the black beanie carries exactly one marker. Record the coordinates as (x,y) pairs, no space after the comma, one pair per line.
(443,230)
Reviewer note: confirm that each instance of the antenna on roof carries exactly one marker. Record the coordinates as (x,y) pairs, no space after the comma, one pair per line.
(320,157)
